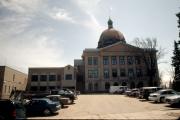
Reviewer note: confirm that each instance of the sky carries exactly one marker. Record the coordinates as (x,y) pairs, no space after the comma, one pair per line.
(51,33)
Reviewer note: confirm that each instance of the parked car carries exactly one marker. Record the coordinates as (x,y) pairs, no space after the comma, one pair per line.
(160,95)
(145,92)
(11,110)
(173,100)
(42,106)
(66,93)
(59,98)
(134,92)
(128,92)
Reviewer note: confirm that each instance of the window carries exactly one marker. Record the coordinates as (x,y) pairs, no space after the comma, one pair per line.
(121,60)
(113,60)
(105,60)
(58,87)
(95,60)
(106,73)
(52,77)
(114,73)
(130,60)
(90,61)
(130,73)
(5,89)
(52,87)
(43,77)
(34,78)
(137,60)
(164,93)
(138,72)
(122,72)
(68,76)
(43,88)
(93,73)
(33,88)
(9,89)
(13,77)
(69,67)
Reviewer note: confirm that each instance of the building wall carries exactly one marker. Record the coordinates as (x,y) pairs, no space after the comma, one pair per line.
(44,85)
(48,84)
(11,80)
(79,75)
(2,68)
(71,81)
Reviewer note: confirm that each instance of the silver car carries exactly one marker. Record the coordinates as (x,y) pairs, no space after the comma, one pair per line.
(160,95)
(173,100)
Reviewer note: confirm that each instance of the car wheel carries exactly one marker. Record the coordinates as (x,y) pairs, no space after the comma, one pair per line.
(47,112)
(162,99)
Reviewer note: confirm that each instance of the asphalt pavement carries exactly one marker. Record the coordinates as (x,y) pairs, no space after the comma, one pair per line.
(106,106)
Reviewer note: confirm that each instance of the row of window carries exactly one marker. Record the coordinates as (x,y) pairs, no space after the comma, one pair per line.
(93,73)
(114,60)
(45,77)
(43,88)
(50,77)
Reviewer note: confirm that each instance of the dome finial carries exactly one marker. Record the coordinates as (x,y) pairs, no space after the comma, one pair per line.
(110,23)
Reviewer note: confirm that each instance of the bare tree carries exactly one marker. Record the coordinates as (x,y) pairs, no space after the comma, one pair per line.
(150,55)
(171,73)
(160,78)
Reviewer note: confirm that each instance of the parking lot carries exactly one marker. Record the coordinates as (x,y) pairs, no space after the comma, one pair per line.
(105,106)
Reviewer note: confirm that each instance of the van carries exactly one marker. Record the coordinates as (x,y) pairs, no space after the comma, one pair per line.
(117,89)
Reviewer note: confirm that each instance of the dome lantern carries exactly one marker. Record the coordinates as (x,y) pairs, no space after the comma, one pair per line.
(110,23)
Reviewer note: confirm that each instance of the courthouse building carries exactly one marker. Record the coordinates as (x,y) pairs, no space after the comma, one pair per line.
(114,62)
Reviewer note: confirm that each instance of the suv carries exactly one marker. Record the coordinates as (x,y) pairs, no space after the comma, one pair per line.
(145,92)
(10,110)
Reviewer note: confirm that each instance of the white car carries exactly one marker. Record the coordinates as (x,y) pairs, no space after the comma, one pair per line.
(160,95)
(173,100)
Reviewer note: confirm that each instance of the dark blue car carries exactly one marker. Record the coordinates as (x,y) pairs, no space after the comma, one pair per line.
(11,110)
(42,106)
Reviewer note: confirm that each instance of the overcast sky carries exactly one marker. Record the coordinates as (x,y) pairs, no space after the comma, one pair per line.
(42,33)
